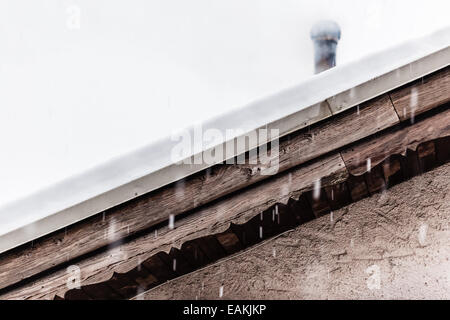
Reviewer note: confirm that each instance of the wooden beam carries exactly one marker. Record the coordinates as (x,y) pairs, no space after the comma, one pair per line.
(422,95)
(360,157)
(200,189)
(277,219)
(108,263)
(215,218)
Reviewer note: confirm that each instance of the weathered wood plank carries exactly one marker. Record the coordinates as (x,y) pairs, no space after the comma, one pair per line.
(412,165)
(229,241)
(158,267)
(375,180)
(422,95)
(426,153)
(358,187)
(194,253)
(148,210)
(389,169)
(143,278)
(396,141)
(392,171)
(281,217)
(319,203)
(215,218)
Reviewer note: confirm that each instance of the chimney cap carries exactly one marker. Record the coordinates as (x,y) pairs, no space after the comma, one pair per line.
(326,30)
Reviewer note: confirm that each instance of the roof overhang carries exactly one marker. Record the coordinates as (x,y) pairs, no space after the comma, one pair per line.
(150,168)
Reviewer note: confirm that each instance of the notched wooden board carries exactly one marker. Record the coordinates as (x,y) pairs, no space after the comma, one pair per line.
(362,156)
(422,95)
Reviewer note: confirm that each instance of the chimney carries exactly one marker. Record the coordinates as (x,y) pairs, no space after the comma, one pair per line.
(325,35)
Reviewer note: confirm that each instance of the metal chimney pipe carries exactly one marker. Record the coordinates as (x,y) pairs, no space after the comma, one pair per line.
(325,35)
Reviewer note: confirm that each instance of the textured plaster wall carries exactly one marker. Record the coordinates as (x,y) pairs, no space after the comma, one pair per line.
(393,245)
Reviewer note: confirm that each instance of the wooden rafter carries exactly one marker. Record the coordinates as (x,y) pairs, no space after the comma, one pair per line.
(214,202)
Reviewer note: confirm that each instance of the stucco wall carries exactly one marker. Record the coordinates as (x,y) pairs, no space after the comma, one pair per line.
(392,245)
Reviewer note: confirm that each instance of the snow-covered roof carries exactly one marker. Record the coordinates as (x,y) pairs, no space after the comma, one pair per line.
(152,167)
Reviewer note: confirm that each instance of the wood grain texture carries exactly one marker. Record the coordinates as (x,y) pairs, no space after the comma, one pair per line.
(219,181)
(305,256)
(392,171)
(215,218)
(396,141)
(200,189)
(337,196)
(422,95)
(280,217)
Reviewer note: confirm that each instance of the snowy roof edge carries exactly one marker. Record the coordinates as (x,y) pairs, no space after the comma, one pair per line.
(151,167)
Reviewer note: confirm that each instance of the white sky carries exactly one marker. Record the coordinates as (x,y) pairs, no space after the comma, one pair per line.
(135,70)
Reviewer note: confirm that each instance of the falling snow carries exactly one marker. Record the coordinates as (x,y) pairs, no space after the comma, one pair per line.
(413,103)
(423,234)
(179,190)
(140,291)
(111,233)
(369,164)
(276,213)
(171,222)
(316,192)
